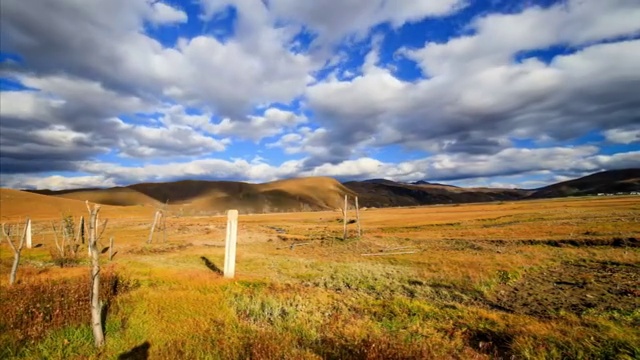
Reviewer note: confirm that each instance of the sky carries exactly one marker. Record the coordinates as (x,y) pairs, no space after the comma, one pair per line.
(473,93)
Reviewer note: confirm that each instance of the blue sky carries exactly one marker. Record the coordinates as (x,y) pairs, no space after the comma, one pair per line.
(473,93)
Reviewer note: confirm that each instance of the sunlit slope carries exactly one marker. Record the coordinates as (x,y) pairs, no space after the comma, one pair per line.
(210,197)
(303,194)
(113,196)
(16,205)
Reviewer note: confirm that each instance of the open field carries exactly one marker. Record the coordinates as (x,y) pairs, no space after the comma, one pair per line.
(524,280)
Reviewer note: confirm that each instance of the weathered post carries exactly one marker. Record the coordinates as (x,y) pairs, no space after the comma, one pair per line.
(153,226)
(230,244)
(28,234)
(344,220)
(358,218)
(96,304)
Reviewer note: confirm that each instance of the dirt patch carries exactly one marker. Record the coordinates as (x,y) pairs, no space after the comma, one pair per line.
(576,288)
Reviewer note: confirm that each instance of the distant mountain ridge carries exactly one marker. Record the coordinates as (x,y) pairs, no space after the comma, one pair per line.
(606,182)
(324,193)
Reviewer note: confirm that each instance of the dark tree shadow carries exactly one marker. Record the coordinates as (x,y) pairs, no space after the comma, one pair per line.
(211,265)
(104,250)
(140,352)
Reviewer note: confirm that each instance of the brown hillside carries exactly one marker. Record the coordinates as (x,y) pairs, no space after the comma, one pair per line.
(16,205)
(613,181)
(303,194)
(388,193)
(206,197)
(113,196)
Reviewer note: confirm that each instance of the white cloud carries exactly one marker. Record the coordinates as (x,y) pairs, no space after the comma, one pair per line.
(623,136)
(72,119)
(561,163)
(255,67)
(273,122)
(96,68)
(576,22)
(55,182)
(563,99)
(335,19)
(165,14)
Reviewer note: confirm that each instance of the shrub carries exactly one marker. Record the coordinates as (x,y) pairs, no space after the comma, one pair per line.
(31,310)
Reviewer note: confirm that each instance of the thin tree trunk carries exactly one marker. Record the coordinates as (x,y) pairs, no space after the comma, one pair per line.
(14,268)
(110,248)
(16,252)
(96,304)
(55,238)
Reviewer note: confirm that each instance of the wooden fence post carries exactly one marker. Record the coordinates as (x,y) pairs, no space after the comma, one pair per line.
(153,226)
(344,220)
(230,244)
(358,218)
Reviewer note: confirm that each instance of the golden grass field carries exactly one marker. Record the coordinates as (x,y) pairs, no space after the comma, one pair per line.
(524,280)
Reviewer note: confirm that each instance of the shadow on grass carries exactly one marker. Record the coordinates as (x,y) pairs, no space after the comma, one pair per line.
(140,352)
(211,265)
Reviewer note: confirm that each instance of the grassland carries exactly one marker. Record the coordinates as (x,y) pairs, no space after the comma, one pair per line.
(524,280)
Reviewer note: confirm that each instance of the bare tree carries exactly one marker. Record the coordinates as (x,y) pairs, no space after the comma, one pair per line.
(96,304)
(16,251)
(80,234)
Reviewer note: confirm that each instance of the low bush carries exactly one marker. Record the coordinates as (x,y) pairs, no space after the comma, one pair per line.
(31,310)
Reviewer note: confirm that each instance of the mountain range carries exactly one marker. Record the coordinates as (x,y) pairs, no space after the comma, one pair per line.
(324,193)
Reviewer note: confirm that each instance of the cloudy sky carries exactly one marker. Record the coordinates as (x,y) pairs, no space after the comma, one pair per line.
(469,92)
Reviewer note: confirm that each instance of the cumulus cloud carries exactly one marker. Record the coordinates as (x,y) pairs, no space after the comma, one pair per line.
(333,20)
(448,167)
(623,136)
(273,122)
(560,163)
(70,120)
(113,50)
(164,14)
(55,182)
(477,96)
(101,88)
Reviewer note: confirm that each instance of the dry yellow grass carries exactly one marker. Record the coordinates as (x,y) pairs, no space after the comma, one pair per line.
(325,300)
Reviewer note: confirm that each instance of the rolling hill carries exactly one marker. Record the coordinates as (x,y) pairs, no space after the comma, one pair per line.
(323,193)
(16,205)
(206,197)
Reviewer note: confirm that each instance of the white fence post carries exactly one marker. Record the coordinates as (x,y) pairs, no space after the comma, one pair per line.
(230,245)
(28,234)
